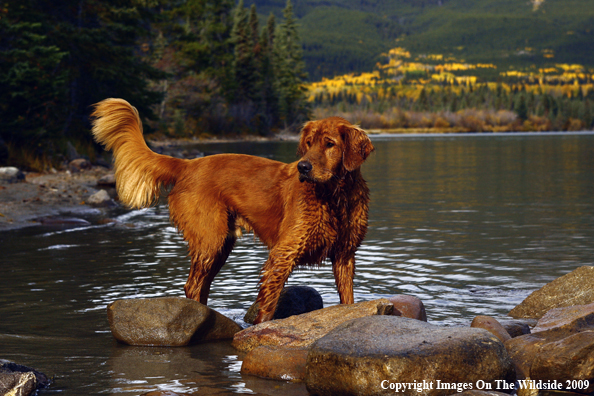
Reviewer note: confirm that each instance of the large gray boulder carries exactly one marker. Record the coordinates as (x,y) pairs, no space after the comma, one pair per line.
(167,321)
(574,288)
(373,355)
(300,331)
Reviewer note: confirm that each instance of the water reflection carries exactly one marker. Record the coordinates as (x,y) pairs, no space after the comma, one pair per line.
(470,225)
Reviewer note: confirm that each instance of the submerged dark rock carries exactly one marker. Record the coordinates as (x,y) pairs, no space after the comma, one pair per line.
(294,300)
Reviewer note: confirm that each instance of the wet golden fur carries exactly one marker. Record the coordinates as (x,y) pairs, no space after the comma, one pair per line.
(304,212)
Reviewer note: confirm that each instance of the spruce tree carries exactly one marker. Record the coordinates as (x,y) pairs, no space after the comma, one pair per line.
(244,65)
(268,105)
(254,26)
(289,70)
(58,61)
(32,84)
(198,56)
(588,117)
(521,108)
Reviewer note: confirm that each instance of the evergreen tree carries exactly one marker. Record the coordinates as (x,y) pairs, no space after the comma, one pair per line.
(244,65)
(521,108)
(289,70)
(546,104)
(254,26)
(268,97)
(198,57)
(61,60)
(101,38)
(32,85)
(588,118)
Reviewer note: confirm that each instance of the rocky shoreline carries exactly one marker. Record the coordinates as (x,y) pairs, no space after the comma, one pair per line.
(386,346)
(55,198)
(383,346)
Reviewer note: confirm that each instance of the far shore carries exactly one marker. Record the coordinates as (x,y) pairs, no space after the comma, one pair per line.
(41,197)
(157,142)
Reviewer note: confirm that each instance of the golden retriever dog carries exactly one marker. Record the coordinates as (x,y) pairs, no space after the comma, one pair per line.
(305,212)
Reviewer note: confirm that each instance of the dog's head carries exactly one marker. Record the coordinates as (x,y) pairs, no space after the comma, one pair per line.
(330,148)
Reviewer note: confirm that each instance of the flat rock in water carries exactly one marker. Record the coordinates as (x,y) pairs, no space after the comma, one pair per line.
(561,347)
(374,355)
(294,300)
(167,321)
(574,288)
(300,331)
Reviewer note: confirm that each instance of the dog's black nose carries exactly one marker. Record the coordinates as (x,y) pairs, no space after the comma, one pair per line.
(304,167)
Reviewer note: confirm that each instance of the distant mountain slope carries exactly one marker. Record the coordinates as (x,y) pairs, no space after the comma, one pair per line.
(341,36)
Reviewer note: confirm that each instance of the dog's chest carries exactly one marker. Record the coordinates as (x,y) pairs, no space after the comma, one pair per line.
(324,227)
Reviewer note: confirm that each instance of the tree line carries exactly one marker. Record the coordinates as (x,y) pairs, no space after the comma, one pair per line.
(475,108)
(190,67)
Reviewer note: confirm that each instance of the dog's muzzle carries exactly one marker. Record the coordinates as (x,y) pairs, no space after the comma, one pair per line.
(304,168)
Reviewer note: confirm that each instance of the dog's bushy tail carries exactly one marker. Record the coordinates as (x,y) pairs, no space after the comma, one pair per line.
(140,172)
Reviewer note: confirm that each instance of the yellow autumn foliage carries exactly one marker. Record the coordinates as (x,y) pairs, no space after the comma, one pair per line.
(401,76)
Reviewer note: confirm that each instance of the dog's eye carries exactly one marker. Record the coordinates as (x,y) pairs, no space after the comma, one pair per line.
(330,144)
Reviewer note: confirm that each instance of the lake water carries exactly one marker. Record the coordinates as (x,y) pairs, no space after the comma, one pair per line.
(470,224)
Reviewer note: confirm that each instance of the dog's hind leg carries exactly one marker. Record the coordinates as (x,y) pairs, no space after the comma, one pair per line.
(204,269)
(209,230)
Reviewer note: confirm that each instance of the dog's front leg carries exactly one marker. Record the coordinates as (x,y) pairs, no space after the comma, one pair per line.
(275,273)
(344,272)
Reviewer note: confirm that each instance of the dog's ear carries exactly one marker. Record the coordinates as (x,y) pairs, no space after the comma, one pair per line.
(305,133)
(357,147)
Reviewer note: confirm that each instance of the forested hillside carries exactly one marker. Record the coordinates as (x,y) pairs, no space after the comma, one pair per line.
(192,68)
(341,36)
(211,67)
